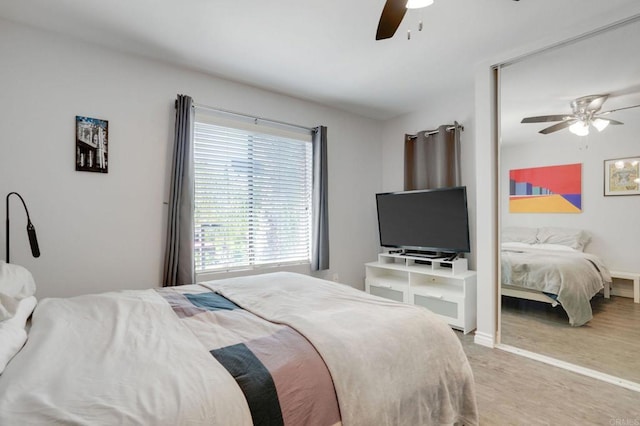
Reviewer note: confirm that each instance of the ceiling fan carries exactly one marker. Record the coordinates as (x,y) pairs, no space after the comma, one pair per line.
(586,112)
(392,14)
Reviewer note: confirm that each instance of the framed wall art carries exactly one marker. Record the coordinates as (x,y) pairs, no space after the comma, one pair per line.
(622,176)
(550,189)
(92,145)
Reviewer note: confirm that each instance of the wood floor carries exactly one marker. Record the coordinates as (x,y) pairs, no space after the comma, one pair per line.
(513,390)
(609,343)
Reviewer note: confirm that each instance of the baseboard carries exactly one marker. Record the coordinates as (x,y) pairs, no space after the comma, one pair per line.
(572,367)
(484,339)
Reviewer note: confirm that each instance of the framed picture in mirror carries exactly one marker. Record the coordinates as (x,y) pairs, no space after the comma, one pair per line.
(622,176)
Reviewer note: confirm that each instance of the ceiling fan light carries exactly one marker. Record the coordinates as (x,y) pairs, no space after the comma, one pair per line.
(417,4)
(580,128)
(600,124)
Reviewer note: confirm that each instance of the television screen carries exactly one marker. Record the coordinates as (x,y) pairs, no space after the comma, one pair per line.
(433,220)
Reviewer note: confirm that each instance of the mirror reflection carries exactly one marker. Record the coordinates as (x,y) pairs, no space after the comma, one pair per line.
(570,200)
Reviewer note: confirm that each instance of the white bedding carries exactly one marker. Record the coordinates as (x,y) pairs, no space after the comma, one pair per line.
(116,358)
(575,277)
(126,358)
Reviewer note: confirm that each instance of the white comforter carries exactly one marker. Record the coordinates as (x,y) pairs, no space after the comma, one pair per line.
(575,277)
(125,358)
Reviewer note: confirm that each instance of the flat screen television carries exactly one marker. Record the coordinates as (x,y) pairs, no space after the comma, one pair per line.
(433,221)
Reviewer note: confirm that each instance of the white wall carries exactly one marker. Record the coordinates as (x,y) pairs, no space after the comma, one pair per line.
(612,220)
(455,106)
(106,232)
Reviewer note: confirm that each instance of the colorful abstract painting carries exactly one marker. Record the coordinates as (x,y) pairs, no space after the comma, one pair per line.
(551,189)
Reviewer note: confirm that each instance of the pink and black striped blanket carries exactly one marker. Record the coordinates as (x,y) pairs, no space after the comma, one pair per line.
(281,375)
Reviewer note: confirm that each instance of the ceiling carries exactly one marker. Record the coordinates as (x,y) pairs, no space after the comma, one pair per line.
(323,51)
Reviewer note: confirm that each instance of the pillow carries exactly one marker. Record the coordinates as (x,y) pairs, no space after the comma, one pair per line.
(16,283)
(574,238)
(519,234)
(13,332)
(556,247)
(515,245)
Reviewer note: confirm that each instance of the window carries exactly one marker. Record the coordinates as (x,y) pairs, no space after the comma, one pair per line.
(253,195)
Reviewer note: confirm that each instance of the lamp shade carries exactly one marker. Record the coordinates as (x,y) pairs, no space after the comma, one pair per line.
(417,4)
(600,124)
(580,128)
(31,230)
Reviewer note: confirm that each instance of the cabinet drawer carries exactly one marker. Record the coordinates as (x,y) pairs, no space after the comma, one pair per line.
(450,308)
(387,293)
(429,280)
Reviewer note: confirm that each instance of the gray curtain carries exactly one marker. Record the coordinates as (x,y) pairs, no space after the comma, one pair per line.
(179,262)
(320,215)
(432,158)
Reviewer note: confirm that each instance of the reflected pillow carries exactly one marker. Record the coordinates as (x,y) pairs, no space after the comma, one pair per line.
(574,238)
(514,245)
(519,234)
(556,247)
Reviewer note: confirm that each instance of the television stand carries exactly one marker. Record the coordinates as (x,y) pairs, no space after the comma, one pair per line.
(445,287)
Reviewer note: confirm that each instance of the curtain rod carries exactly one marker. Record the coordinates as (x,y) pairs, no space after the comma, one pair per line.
(256,119)
(449,128)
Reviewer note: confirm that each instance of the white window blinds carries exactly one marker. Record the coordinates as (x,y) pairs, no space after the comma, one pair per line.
(252,198)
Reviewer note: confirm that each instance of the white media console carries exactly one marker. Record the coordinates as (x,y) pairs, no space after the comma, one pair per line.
(445,287)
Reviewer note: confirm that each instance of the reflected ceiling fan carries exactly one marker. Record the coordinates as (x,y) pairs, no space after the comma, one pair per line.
(586,112)
(392,14)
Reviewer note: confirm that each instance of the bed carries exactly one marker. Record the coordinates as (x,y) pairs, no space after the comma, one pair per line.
(273,349)
(548,264)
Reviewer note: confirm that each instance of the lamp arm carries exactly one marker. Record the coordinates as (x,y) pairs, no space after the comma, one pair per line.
(23,203)
(7,232)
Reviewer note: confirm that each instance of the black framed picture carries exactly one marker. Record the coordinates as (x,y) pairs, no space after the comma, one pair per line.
(92,145)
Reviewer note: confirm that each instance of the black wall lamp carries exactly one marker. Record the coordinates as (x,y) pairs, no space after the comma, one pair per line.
(31,230)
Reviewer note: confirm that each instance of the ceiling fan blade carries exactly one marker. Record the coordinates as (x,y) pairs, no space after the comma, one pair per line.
(617,109)
(596,103)
(614,122)
(392,14)
(545,118)
(557,127)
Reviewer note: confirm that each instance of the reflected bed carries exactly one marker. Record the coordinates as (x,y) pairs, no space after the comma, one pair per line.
(548,265)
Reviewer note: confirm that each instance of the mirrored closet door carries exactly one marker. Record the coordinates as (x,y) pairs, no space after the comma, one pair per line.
(570,201)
